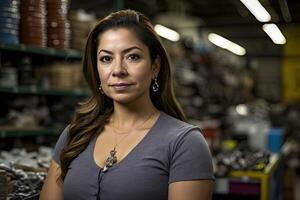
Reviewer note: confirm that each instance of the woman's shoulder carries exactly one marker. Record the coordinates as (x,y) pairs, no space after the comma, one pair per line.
(187,150)
(64,134)
(174,123)
(60,144)
(176,128)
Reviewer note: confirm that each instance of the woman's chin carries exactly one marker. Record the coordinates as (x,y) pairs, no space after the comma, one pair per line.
(123,99)
(130,99)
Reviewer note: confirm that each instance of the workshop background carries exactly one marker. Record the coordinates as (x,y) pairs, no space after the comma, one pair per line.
(237,73)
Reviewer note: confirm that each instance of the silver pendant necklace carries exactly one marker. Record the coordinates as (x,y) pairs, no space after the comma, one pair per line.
(112,158)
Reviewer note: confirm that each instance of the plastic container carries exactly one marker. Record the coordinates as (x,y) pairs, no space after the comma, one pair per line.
(275,139)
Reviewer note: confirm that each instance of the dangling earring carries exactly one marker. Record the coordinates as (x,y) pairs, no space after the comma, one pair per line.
(100,89)
(155,85)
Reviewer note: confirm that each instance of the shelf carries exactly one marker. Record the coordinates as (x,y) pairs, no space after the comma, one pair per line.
(263,176)
(269,169)
(67,54)
(263,185)
(6,131)
(34,90)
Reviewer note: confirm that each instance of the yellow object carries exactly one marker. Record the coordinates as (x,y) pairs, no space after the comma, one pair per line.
(229,144)
(262,176)
(291,65)
(291,79)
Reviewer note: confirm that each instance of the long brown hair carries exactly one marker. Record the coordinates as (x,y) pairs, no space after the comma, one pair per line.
(92,115)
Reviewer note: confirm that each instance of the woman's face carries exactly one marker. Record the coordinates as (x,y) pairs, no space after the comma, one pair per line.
(124,66)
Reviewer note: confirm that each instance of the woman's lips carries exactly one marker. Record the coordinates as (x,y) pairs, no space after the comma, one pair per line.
(121,86)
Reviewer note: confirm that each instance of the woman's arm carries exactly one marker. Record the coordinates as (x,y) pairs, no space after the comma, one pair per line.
(191,190)
(52,188)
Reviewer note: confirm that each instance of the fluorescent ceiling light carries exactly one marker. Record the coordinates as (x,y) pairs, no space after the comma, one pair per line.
(226,44)
(257,10)
(274,33)
(166,33)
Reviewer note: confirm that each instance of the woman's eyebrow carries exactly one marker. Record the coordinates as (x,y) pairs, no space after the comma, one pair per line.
(105,51)
(124,51)
(131,48)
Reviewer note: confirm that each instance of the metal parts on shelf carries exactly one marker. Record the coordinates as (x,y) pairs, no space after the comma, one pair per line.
(241,161)
(20,184)
(22,173)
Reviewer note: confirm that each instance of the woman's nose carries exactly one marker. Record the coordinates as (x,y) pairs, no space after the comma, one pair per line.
(119,68)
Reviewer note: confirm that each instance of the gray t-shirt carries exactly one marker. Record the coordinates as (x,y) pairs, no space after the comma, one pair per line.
(171,151)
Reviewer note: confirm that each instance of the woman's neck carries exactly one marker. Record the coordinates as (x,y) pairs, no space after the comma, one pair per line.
(126,116)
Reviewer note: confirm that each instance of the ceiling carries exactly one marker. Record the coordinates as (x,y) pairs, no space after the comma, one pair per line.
(229,18)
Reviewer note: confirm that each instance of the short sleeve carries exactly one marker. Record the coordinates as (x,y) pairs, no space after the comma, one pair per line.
(59,145)
(190,158)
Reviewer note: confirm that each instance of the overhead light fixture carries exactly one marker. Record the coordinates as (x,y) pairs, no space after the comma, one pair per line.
(166,33)
(226,44)
(274,33)
(257,10)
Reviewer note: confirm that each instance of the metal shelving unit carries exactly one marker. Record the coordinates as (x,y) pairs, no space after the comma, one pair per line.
(34,90)
(69,54)
(6,132)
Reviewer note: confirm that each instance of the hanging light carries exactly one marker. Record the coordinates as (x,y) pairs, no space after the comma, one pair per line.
(166,33)
(274,33)
(259,12)
(226,44)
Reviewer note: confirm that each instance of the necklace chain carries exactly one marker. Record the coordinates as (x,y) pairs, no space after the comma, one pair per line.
(135,128)
(112,158)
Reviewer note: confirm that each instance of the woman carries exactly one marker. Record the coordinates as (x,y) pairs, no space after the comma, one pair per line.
(129,140)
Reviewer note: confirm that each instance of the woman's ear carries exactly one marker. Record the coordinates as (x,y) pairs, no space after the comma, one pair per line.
(156,67)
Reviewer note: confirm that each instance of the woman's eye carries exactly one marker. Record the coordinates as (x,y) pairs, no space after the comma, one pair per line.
(133,57)
(105,59)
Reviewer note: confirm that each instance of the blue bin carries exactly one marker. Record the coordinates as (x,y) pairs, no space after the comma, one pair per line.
(275,139)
